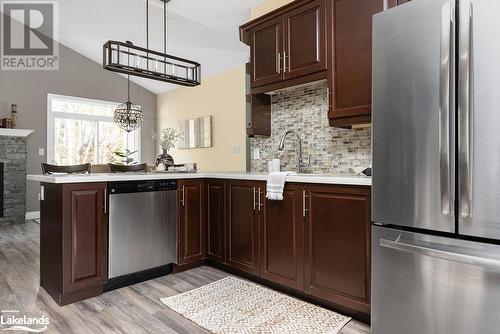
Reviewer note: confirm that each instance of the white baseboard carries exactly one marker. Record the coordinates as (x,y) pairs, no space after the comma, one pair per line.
(32,215)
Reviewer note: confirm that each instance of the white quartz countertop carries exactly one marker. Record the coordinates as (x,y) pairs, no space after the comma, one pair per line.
(113,177)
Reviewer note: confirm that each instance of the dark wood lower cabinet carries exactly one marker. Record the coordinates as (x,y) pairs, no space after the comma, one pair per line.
(315,242)
(73,241)
(282,236)
(337,242)
(191,221)
(321,249)
(243,225)
(216,234)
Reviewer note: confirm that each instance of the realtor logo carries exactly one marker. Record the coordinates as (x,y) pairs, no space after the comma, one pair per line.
(13,321)
(29,35)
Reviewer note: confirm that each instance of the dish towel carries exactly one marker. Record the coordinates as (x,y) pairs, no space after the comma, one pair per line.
(276,185)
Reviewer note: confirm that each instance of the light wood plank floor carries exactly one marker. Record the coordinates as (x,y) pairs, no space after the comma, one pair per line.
(134,309)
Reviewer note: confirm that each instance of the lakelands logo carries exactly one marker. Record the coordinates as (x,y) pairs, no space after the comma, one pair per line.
(11,320)
(29,34)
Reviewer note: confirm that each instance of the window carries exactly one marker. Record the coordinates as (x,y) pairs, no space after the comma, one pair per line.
(82,130)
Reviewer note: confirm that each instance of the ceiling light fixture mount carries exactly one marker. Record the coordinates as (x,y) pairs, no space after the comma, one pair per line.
(129,59)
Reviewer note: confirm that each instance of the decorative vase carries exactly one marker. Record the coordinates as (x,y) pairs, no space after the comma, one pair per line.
(165,159)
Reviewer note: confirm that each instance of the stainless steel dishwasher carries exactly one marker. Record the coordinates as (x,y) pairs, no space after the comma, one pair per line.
(142,231)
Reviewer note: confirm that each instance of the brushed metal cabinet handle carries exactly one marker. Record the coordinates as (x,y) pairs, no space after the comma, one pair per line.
(260,205)
(183,198)
(254,199)
(278,62)
(284,62)
(105,200)
(465,109)
(444,108)
(304,204)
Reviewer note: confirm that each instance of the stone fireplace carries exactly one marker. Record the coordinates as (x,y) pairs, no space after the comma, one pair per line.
(13,176)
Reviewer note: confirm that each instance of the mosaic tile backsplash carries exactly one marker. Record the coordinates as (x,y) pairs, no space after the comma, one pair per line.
(331,150)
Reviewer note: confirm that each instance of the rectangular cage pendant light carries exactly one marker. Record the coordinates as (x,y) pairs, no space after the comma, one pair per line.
(133,60)
(129,59)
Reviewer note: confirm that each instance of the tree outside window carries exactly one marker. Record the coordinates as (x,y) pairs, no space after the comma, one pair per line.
(83,130)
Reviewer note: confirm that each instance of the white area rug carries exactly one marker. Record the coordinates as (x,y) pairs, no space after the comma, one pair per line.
(232,305)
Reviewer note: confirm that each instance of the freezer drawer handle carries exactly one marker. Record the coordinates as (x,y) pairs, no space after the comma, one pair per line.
(441,254)
(444,108)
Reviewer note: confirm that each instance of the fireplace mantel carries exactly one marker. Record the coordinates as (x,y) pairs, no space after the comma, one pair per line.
(15,132)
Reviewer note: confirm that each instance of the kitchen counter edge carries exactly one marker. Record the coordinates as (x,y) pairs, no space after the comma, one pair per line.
(107,177)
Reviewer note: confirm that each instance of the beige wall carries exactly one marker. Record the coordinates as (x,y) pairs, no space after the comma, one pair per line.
(223,97)
(267,6)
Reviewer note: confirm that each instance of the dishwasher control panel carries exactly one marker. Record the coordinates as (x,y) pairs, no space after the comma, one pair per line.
(141,186)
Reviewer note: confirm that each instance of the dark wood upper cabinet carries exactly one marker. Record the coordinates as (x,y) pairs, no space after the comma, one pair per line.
(350,74)
(216,224)
(311,40)
(337,242)
(191,221)
(266,48)
(282,243)
(288,46)
(305,40)
(243,225)
(73,241)
(258,108)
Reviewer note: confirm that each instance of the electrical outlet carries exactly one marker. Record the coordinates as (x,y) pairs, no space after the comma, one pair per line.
(41,152)
(236,150)
(256,153)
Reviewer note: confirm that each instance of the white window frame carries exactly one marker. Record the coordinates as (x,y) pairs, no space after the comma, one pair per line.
(133,136)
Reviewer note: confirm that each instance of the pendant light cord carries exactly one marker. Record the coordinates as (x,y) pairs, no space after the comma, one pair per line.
(128,87)
(147,24)
(165,18)
(147,34)
(128,76)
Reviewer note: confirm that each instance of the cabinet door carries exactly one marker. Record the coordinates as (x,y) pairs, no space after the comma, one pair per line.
(266,52)
(85,238)
(305,40)
(216,221)
(283,239)
(243,226)
(351,75)
(338,245)
(191,221)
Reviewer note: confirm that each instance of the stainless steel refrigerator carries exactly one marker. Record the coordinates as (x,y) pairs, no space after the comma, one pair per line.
(436,168)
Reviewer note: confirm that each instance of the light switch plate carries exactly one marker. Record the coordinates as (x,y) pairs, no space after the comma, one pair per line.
(256,153)
(236,150)
(41,152)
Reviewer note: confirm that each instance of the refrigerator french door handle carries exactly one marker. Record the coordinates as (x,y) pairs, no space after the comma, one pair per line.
(465,109)
(441,254)
(444,107)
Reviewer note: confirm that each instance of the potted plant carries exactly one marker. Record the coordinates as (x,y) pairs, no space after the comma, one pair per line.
(167,139)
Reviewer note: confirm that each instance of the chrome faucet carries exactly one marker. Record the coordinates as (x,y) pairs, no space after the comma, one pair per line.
(301,164)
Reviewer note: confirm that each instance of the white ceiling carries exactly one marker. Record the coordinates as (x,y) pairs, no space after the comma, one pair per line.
(201,30)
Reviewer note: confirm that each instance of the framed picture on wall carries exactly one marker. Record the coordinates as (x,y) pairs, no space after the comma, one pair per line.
(195,133)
